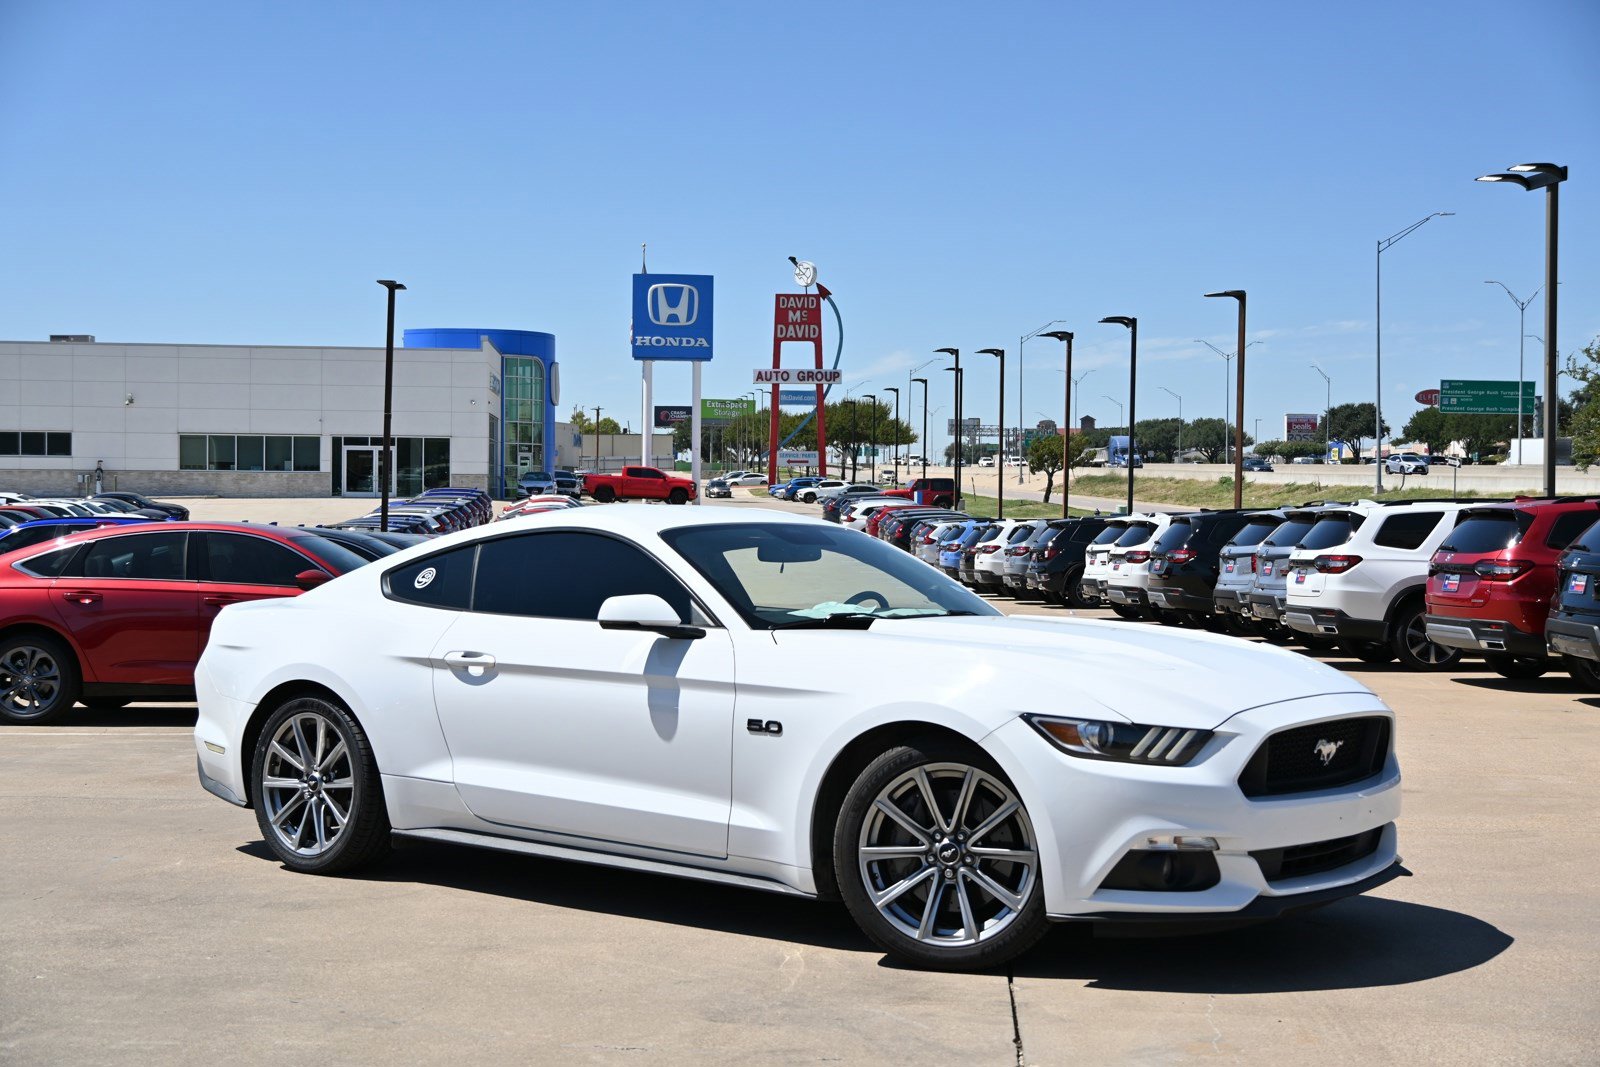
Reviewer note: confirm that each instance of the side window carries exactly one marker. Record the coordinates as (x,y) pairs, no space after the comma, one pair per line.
(149,556)
(567,575)
(1407,531)
(243,559)
(443,580)
(47,565)
(1566,527)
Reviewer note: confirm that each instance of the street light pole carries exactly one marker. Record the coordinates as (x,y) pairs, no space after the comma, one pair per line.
(1377,422)
(1000,472)
(924,382)
(851,457)
(1132,325)
(1522,326)
(872,441)
(1238,400)
(1227,396)
(894,431)
(386,458)
(1121,411)
(1040,332)
(955,353)
(1066,429)
(1326,407)
(1169,392)
(596,438)
(1546,176)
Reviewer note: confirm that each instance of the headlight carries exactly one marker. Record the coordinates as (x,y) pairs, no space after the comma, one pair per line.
(1169,746)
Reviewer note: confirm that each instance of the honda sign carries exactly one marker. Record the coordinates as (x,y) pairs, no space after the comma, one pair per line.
(672,316)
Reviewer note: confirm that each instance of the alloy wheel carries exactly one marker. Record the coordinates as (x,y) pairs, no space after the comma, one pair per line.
(947,855)
(1424,651)
(308,784)
(30,682)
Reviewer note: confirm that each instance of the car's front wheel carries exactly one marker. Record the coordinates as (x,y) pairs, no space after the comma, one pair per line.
(39,680)
(315,785)
(937,859)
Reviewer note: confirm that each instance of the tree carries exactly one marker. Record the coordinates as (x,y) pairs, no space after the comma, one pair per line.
(1045,456)
(1287,451)
(1212,438)
(1157,439)
(1430,426)
(585,425)
(1350,424)
(1585,420)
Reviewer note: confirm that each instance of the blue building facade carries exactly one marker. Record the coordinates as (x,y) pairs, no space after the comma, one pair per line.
(526,386)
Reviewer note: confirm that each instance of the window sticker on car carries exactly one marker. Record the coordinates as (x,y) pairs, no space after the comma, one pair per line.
(1580,583)
(425,577)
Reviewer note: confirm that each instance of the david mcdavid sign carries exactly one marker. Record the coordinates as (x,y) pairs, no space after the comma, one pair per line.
(672,316)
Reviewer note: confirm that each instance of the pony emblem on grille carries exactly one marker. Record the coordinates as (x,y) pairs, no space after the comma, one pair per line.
(1326,749)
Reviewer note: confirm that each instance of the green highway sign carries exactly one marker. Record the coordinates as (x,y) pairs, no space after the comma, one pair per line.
(1461,397)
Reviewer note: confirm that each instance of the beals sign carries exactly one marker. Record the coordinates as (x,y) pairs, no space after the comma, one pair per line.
(1301,427)
(672,316)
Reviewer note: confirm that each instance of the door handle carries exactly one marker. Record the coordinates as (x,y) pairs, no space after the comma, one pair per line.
(81,596)
(217,600)
(474,663)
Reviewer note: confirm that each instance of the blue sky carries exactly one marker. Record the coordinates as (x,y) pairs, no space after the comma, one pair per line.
(961,174)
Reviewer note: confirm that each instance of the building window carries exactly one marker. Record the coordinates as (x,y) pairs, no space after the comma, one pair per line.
(248,452)
(35,443)
(522,419)
(419,462)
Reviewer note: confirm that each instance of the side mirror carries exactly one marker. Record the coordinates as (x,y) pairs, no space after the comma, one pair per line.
(309,580)
(645,611)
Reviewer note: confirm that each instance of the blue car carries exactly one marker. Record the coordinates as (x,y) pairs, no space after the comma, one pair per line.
(27,534)
(951,547)
(792,488)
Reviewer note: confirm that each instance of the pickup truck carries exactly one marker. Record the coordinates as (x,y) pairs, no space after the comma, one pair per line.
(938,492)
(639,483)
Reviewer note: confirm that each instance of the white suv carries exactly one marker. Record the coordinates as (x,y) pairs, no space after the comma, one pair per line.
(1128,582)
(1097,561)
(1361,575)
(1406,463)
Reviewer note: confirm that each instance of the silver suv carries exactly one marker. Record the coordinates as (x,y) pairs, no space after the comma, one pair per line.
(1406,463)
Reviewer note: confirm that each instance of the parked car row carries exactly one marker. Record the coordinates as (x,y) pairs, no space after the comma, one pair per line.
(435,511)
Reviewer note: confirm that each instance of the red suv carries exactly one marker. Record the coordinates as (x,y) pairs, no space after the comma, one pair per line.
(122,613)
(1491,581)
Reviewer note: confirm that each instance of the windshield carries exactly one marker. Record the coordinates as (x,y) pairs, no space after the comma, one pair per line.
(1287,533)
(1485,532)
(1175,536)
(782,574)
(1020,534)
(1254,533)
(1137,533)
(1330,532)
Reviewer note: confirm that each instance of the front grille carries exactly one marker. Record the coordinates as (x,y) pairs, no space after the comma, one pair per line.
(1297,861)
(1293,761)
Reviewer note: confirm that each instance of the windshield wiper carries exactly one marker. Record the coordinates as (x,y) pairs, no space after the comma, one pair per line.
(839,620)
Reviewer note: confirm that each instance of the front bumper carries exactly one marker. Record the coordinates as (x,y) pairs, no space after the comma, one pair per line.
(1568,637)
(1483,635)
(1089,814)
(1331,622)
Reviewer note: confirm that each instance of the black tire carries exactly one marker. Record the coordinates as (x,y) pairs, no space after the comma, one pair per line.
(1007,931)
(1375,652)
(39,679)
(678,496)
(1518,668)
(808,498)
(1409,641)
(1586,672)
(363,836)
(1127,611)
(605,494)
(104,703)
(1273,632)
(1316,642)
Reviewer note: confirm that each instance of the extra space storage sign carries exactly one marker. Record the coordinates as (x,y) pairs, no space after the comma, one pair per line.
(672,316)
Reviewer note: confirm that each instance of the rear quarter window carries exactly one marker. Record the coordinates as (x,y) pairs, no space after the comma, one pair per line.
(442,580)
(1566,527)
(1407,531)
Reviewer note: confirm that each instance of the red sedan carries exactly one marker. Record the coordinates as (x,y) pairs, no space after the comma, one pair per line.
(122,613)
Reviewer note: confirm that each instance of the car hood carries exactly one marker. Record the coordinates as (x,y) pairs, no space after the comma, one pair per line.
(997,667)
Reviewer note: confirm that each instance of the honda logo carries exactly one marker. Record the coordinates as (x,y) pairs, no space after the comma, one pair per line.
(673,304)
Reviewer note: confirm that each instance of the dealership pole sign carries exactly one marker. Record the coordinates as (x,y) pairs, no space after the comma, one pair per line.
(672,317)
(797,318)
(1301,427)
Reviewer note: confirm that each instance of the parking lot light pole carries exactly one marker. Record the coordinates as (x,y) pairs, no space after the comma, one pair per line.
(1000,472)
(1040,332)
(1377,399)
(872,441)
(955,353)
(1170,393)
(1238,400)
(1546,176)
(924,383)
(894,431)
(1132,325)
(386,461)
(1327,407)
(1066,426)
(850,456)
(1522,326)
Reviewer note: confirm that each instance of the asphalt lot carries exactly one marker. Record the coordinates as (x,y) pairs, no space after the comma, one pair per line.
(145,922)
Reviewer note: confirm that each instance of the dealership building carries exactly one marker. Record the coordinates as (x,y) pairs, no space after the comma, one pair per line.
(470,408)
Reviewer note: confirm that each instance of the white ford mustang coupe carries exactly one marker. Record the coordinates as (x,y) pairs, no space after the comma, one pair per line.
(638,687)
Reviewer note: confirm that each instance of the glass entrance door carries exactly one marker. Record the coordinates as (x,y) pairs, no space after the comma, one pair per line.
(360,471)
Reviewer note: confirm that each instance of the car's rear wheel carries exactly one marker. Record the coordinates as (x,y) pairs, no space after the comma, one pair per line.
(1127,611)
(104,703)
(1586,672)
(1315,642)
(937,859)
(39,680)
(808,498)
(315,785)
(1518,668)
(605,494)
(1409,640)
(1368,651)
(678,496)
